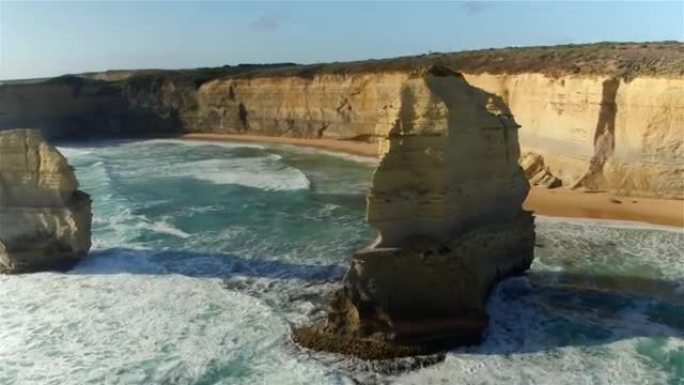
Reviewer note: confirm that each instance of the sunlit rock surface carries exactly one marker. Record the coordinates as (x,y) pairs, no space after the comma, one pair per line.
(600,133)
(537,172)
(44,219)
(446,199)
(596,131)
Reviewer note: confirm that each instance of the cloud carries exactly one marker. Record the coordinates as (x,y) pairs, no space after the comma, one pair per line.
(474,7)
(266,23)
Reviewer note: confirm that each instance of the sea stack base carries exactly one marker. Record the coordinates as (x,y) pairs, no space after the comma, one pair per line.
(421,299)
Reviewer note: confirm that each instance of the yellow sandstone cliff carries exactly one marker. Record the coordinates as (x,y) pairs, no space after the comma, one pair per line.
(44,219)
(598,133)
(616,133)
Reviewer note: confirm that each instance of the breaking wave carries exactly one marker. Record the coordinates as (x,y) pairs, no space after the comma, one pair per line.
(266,173)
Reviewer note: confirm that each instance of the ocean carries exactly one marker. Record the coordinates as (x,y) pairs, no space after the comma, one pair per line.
(205,253)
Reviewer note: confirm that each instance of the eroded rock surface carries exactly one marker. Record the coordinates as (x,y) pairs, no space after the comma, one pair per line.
(446,199)
(537,172)
(44,219)
(598,131)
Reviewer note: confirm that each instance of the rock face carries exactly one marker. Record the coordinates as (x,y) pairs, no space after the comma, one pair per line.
(537,172)
(44,219)
(323,106)
(75,108)
(446,199)
(600,133)
(595,132)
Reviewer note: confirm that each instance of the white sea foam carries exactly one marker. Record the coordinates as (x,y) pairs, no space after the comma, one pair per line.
(615,365)
(121,227)
(336,154)
(74,152)
(615,223)
(266,172)
(141,329)
(166,228)
(200,143)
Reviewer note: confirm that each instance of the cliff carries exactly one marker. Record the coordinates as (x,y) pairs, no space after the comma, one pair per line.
(602,116)
(44,219)
(599,132)
(446,200)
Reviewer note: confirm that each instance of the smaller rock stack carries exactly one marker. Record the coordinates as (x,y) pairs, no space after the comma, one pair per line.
(45,220)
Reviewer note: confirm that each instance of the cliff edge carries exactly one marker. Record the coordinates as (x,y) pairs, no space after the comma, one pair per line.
(446,200)
(44,219)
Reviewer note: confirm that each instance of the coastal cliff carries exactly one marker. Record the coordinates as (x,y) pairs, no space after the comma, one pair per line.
(600,132)
(44,219)
(446,200)
(602,117)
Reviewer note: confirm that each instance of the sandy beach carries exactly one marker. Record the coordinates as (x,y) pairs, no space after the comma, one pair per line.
(556,203)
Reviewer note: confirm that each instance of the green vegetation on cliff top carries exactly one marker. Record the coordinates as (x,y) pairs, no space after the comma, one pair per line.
(623,60)
(626,60)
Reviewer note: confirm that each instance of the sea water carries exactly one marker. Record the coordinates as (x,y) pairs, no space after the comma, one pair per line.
(204,254)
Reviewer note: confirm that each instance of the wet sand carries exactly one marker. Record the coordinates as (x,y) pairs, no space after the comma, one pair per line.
(556,203)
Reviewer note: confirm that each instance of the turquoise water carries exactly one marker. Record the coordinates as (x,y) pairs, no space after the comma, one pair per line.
(205,253)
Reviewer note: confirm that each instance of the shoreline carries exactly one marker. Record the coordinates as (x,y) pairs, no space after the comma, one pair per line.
(369,150)
(559,202)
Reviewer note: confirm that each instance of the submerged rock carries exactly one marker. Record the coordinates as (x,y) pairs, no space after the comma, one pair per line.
(446,199)
(44,219)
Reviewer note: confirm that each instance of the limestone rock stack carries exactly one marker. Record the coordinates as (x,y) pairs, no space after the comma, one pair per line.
(44,219)
(446,199)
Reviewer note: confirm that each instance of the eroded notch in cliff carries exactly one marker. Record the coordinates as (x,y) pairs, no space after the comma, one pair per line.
(604,136)
(242,115)
(322,129)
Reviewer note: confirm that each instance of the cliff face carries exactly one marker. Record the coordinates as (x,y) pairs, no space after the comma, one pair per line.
(76,108)
(325,106)
(593,132)
(446,199)
(601,132)
(44,219)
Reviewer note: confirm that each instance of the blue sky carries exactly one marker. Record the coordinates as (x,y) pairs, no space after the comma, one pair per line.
(52,38)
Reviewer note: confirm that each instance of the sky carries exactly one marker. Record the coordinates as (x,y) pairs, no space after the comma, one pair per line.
(40,39)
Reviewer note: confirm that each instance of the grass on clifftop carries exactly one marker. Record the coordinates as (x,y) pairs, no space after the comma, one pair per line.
(626,60)
(623,60)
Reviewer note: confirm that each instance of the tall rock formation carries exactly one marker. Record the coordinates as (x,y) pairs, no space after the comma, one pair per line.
(44,219)
(446,200)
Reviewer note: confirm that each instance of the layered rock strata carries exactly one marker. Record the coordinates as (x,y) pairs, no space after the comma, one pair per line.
(624,135)
(44,219)
(537,172)
(446,200)
(600,133)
